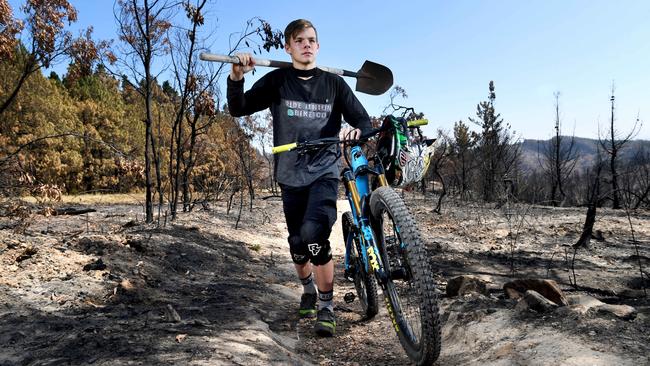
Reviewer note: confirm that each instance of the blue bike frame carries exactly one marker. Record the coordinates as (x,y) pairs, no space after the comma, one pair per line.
(357,183)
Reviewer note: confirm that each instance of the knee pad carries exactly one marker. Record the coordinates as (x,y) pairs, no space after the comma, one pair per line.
(299,252)
(320,253)
(314,232)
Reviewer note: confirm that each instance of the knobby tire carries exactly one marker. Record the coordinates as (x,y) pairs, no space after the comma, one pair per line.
(402,251)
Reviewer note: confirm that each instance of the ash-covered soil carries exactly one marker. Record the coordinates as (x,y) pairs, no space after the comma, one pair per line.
(105,289)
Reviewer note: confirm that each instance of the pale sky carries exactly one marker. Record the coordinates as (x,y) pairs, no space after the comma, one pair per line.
(445,53)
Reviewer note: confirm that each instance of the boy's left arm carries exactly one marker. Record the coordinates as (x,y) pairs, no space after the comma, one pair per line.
(353,111)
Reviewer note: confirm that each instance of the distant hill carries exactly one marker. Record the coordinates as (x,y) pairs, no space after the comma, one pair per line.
(587,150)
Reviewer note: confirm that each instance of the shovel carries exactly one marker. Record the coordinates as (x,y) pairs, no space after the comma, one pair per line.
(372,78)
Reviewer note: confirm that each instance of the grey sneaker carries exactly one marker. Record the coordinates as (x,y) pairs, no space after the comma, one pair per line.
(307,305)
(325,323)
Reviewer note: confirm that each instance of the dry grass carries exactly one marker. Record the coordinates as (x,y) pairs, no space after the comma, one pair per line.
(98,199)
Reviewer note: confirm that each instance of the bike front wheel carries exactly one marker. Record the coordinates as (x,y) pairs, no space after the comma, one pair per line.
(364,283)
(410,291)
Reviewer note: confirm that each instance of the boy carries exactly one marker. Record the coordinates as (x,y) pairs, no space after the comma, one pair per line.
(306,103)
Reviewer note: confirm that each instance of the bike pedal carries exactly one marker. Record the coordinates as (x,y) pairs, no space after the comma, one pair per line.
(349,297)
(399,274)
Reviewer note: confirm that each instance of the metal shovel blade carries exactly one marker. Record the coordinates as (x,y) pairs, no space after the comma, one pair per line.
(373,78)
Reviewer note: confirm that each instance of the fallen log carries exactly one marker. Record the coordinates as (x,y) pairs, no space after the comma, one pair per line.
(70,211)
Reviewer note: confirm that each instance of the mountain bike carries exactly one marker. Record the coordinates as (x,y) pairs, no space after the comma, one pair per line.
(383,248)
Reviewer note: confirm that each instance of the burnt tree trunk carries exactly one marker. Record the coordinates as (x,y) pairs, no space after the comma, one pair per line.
(31,66)
(443,193)
(588,228)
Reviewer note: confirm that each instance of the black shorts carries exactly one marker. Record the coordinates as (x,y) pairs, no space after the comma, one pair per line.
(310,211)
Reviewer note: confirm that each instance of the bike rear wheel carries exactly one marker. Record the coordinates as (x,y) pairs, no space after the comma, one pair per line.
(364,283)
(410,289)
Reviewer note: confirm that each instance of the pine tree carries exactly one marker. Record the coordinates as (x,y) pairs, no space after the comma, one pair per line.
(496,152)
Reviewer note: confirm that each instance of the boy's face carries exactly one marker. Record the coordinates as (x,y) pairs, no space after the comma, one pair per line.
(303,47)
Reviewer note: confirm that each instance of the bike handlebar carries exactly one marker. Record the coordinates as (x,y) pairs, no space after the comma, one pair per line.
(417,123)
(284,148)
(334,140)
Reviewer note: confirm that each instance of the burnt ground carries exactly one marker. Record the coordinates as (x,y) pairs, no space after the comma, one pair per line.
(104,289)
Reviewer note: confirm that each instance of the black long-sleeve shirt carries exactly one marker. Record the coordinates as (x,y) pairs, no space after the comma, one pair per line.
(302,110)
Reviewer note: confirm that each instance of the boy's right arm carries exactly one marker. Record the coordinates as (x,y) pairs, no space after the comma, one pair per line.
(256,99)
(247,63)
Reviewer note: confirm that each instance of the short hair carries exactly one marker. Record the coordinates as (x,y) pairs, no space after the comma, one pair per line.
(297,26)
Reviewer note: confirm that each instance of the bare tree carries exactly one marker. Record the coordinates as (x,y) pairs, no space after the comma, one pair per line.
(143,26)
(407,113)
(265,140)
(203,106)
(593,200)
(190,82)
(559,158)
(439,161)
(612,144)
(636,184)
(243,136)
(195,108)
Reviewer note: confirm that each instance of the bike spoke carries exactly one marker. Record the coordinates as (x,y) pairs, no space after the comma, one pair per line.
(364,284)
(407,298)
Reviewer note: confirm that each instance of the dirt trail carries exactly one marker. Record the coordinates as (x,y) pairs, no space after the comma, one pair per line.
(102,289)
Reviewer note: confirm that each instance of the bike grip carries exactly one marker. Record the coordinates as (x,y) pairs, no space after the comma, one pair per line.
(418,122)
(284,148)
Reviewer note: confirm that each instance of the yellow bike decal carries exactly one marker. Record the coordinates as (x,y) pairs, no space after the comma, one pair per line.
(391,314)
(373,259)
